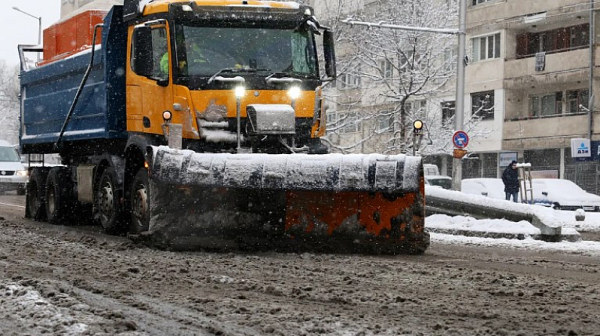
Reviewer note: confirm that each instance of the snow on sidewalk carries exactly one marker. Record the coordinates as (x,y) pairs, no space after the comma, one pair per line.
(584,248)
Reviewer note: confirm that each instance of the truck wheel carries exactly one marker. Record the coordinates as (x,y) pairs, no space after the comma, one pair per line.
(107,202)
(140,203)
(36,194)
(59,196)
(21,190)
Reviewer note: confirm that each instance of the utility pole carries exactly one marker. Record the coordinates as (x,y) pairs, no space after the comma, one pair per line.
(592,65)
(460,89)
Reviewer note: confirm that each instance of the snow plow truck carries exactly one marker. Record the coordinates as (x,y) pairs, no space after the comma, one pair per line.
(198,124)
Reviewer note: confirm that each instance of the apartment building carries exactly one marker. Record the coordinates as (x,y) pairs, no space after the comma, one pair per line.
(535,57)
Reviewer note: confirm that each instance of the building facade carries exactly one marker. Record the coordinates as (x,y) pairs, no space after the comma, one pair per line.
(535,56)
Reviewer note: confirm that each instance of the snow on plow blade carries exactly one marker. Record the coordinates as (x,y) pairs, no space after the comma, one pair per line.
(320,203)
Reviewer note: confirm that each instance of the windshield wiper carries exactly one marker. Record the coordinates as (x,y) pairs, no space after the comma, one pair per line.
(285,77)
(234,70)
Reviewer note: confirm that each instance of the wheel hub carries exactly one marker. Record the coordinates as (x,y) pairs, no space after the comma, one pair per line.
(106,200)
(51,198)
(140,206)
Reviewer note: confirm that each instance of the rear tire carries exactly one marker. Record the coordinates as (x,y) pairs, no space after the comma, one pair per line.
(59,195)
(140,203)
(107,202)
(21,190)
(36,195)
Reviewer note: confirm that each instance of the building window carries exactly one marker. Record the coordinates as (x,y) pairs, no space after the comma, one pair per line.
(478,2)
(348,81)
(482,105)
(450,59)
(385,122)
(545,104)
(448,110)
(417,109)
(553,41)
(577,101)
(346,122)
(351,79)
(386,68)
(486,47)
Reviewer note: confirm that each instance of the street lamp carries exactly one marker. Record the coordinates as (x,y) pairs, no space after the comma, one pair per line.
(39,18)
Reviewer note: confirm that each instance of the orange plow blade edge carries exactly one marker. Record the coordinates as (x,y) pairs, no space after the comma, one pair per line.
(311,203)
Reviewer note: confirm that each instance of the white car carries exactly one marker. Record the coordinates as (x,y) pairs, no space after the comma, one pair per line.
(564,195)
(490,187)
(439,181)
(13,175)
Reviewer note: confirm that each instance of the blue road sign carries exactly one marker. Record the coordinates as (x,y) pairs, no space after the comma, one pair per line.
(460,139)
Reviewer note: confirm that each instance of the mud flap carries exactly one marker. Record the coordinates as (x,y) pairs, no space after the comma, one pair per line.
(327,203)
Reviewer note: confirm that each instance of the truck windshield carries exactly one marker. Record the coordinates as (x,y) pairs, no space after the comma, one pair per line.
(204,51)
(9,154)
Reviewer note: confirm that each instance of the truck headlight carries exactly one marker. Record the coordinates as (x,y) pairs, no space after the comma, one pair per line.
(22,173)
(240,91)
(294,92)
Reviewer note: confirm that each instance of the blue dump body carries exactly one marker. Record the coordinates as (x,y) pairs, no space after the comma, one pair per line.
(48,92)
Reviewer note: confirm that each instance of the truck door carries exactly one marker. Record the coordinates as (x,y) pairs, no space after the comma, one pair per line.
(149,80)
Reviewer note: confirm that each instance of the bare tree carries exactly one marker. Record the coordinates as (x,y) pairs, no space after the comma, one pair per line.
(9,102)
(390,77)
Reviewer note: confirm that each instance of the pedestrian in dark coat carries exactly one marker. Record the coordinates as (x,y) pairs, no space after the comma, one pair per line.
(510,177)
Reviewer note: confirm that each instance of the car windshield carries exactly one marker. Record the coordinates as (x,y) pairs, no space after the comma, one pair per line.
(9,154)
(444,183)
(204,51)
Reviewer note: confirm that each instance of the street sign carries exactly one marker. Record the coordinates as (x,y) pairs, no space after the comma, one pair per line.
(580,148)
(460,139)
(506,158)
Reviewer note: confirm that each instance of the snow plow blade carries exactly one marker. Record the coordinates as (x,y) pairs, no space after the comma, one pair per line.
(290,202)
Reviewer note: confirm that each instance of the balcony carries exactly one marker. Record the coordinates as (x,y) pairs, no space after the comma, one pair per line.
(499,10)
(562,67)
(548,132)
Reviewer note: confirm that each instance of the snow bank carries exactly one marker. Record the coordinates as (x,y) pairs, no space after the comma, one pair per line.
(543,218)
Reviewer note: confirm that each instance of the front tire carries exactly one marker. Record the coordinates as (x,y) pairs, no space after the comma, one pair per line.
(107,206)
(140,203)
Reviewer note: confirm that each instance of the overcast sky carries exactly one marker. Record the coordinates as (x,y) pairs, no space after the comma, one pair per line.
(17,28)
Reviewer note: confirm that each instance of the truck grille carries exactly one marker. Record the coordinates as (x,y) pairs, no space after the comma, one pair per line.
(7,172)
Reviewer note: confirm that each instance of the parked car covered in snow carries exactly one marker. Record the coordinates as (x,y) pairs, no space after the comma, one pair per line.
(565,195)
(434,178)
(490,187)
(439,181)
(13,175)
(494,188)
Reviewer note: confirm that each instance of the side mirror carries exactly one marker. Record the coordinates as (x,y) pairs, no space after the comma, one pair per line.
(484,193)
(545,193)
(142,63)
(329,50)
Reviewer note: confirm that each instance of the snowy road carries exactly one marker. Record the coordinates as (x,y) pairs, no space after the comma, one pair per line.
(76,281)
